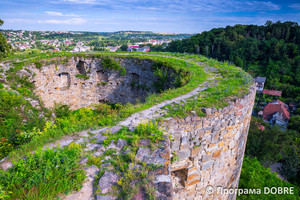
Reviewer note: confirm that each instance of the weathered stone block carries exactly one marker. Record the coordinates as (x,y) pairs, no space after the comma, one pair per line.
(184,155)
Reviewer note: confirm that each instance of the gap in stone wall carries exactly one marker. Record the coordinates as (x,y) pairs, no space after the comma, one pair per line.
(179,178)
(80,67)
(64,81)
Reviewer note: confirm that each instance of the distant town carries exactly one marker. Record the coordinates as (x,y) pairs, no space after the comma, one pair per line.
(57,41)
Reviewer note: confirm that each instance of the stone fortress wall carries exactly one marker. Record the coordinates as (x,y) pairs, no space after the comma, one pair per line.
(203,151)
(209,151)
(59,83)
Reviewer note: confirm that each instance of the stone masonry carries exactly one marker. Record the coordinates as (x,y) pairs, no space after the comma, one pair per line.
(208,151)
(59,83)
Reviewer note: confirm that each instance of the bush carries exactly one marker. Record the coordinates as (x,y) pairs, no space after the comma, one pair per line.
(16,116)
(62,110)
(44,175)
(110,63)
(38,64)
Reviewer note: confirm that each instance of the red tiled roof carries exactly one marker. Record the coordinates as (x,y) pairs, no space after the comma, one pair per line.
(276,106)
(260,127)
(272,92)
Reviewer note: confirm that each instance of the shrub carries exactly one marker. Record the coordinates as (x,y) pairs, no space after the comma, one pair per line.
(38,64)
(110,63)
(16,116)
(44,175)
(61,110)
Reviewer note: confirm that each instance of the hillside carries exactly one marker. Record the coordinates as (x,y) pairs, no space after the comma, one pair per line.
(271,50)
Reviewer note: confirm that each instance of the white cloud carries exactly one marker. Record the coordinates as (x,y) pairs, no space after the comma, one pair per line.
(72,21)
(295,6)
(179,6)
(82,1)
(18,21)
(52,13)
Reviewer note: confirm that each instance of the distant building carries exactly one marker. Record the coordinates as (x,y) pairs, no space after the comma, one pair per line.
(144,49)
(272,92)
(132,47)
(81,49)
(114,49)
(292,107)
(276,112)
(260,83)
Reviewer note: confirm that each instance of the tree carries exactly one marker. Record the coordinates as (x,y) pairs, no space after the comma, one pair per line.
(4,47)
(294,123)
(266,145)
(124,47)
(271,50)
(290,163)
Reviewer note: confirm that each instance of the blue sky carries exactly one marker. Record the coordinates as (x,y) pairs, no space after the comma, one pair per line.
(179,16)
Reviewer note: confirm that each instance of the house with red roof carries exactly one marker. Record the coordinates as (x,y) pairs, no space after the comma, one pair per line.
(276,112)
(272,92)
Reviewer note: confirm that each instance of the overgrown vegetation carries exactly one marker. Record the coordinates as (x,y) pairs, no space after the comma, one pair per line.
(110,63)
(233,83)
(167,77)
(19,121)
(43,175)
(255,176)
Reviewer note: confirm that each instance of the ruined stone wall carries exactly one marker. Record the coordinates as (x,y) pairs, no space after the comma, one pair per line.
(58,82)
(208,151)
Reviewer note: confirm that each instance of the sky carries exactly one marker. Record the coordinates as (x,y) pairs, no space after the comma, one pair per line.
(170,16)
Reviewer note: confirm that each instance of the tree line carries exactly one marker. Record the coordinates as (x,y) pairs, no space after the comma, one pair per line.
(271,50)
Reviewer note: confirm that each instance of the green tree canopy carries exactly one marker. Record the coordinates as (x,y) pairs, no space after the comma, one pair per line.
(4,47)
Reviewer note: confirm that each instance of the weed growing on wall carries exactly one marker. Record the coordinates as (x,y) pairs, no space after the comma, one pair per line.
(85,77)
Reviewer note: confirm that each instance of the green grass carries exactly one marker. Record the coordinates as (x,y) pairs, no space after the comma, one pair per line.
(43,175)
(234,83)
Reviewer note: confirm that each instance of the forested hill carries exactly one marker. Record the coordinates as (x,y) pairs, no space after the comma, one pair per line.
(272,50)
